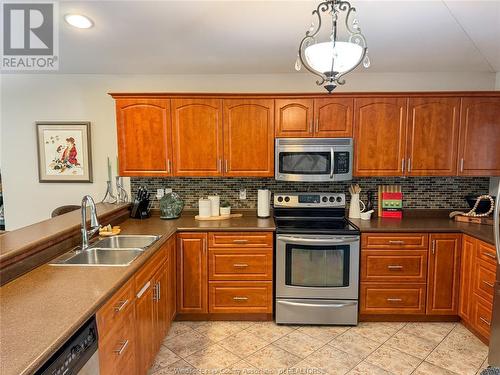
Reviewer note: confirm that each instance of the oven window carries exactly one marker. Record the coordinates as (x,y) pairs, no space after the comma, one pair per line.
(316,266)
(305,162)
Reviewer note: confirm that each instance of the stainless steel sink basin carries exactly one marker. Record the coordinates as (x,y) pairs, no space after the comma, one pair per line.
(126,242)
(99,257)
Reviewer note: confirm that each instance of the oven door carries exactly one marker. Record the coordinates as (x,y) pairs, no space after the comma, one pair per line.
(317,266)
(304,163)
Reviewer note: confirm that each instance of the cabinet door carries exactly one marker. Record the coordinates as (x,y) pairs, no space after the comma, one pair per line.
(294,117)
(333,117)
(145,317)
(197,136)
(379,136)
(172,278)
(432,136)
(466,278)
(249,138)
(144,137)
(192,275)
(443,275)
(479,143)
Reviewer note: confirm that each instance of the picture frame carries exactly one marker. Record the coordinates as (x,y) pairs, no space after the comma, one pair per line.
(64,151)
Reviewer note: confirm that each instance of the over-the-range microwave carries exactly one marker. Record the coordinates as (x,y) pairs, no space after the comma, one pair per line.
(313,159)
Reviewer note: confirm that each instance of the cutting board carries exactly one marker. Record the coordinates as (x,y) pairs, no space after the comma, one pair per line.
(225,217)
(475,220)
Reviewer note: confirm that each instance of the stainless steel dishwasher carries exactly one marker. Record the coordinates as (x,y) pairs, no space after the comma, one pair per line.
(78,355)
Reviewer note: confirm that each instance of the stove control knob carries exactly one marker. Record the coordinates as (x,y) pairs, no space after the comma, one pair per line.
(339,199)
(287,199)
(324,199)
(332,199)
(280,199)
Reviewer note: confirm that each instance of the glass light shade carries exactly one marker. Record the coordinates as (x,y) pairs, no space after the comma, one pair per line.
(345,56)
(79,21)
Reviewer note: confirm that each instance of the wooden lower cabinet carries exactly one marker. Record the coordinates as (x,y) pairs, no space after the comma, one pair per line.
(392,298)
(466,278)
(241,297)
(444,272)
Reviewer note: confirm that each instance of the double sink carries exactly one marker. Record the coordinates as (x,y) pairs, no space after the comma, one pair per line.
(119,250)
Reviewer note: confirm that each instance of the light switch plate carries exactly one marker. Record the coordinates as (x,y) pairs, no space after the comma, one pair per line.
(243,194)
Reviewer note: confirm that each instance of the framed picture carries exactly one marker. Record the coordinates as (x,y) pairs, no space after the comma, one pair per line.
(64,152)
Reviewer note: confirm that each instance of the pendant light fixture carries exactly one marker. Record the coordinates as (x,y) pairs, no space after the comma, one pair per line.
(332,59)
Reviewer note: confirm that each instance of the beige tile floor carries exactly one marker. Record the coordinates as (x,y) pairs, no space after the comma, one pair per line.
(264,348)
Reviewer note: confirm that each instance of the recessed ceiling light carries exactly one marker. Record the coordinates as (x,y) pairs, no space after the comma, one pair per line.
(78,20)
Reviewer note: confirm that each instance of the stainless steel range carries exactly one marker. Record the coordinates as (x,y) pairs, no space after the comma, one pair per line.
(317,260)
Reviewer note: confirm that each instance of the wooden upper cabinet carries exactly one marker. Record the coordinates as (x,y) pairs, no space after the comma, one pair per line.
(433,136)
(333,117)
(443,274)
(479,145)
(294,117)
(249,137)
(144,137)
(197,137)
(379,136)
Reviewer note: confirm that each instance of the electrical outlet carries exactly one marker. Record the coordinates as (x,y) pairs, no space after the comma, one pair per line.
(243,194)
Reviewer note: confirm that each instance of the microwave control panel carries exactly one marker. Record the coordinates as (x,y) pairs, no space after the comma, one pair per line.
(341,162)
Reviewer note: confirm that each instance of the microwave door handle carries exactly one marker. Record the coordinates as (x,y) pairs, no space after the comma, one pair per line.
(331,163)
(317,241)
(496,224)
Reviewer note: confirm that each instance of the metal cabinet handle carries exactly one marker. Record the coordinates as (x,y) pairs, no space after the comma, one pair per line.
(394,299)
(158,291)
(123,346)
(311,126)
(395,267)
(489,255)
(240,298)
(240,265)
(394,242)
(226,166)
(433,246)
(487,283)
(120,305)
(219,166)
(461,164)
(169,165)
(204,246)
(403,165)
(143,290)
(485,321)
(317,125)
(409,164)
(240,241)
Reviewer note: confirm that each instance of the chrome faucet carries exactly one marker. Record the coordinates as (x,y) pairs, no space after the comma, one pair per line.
(94,223)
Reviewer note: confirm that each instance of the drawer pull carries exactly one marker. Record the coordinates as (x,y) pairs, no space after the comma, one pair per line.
(394,300)
(123,346)
(240,265)
(240,298)
(143,289)
(120,305)
(396,242)
(484,321)
(487,283)
(240,241)
(394,267)
(489,255)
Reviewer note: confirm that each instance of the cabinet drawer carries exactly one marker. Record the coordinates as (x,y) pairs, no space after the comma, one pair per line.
(240,264)
(416,241)
(484,282)
(486,252)
(392,299)
(241,297)
(116,309)
(394,266)
(240,239)
(147,271)
(116,350)
(481,312)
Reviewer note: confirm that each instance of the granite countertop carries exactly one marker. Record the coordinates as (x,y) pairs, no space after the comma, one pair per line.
(42,308)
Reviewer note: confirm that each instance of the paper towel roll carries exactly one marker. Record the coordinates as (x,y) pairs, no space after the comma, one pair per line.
(205,207)
(263,201)
(215,200)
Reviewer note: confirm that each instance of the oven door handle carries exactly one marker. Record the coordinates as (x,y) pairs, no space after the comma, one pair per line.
(302,304)
(317,241)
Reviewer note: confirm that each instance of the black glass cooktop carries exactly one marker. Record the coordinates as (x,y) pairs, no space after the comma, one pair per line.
(315,226)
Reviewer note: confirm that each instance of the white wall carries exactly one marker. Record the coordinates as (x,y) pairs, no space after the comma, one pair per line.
(26,98)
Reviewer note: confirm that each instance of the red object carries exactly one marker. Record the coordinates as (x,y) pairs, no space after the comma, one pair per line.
(393,214)
(392,196)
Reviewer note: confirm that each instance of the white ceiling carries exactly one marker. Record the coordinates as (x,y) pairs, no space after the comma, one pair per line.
(221,37)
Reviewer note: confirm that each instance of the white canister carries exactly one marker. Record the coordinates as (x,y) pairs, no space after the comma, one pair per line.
(215,200)
(355,206)
(205,207)
(263,203)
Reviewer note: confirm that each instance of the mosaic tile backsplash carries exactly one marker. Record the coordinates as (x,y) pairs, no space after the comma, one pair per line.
(418,192)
